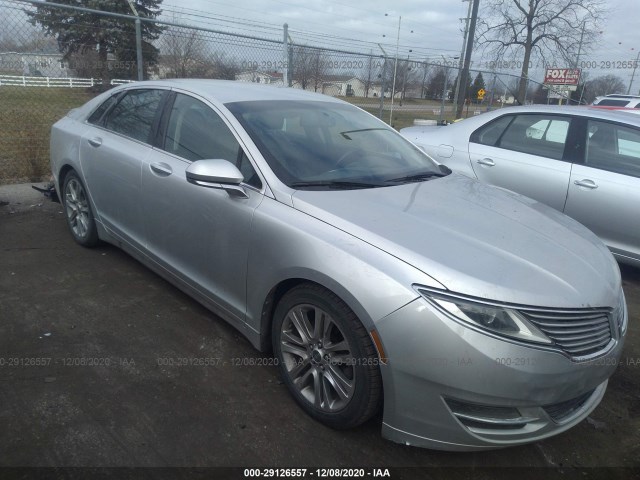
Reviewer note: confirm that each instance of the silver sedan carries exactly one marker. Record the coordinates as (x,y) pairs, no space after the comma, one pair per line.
(476,318)
(582,161)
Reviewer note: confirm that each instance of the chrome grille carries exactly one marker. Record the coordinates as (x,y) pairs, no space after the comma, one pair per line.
(577,333)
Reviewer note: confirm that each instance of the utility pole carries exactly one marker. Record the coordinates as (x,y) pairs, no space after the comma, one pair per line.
(382,81)
(633,74)
(395,71)
(285,46)
(464,46)
(138,41)
(445,71)
(467,57)
(493,87)
(577,62)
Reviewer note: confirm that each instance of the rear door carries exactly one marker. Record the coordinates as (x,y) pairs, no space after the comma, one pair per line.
(604,192)
(112,152)
(527,153)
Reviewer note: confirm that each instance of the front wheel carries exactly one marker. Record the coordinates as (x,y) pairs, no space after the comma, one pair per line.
(326,357)
(78,211)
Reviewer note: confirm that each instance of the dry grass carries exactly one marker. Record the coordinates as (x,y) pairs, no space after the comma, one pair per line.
(26,116)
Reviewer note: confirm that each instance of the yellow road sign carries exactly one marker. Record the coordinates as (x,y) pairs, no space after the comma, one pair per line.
(481,93)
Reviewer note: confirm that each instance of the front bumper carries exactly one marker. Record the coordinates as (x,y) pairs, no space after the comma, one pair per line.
(449,387)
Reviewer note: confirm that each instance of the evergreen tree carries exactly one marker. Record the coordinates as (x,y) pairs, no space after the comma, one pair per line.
(478,84)
(462,91)
(80,32)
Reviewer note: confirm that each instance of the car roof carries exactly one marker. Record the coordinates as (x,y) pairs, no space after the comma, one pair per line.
(228,91)
(620,95)
(627,117)
(583,110)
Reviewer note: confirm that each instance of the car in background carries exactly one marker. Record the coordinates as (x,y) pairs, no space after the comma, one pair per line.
(618,101)
(477,318)
(582,161)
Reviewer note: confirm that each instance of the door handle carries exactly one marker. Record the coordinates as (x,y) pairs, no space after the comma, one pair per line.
(487,161)
(95,142)
(586,183)
(161,169)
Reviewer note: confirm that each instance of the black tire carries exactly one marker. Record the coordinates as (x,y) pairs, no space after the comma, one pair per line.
(333,373)
(77,209)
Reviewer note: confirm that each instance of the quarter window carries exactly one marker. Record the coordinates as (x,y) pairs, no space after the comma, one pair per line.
(609,102)
(490,133)
(613,147)
(196,132)
(134,115)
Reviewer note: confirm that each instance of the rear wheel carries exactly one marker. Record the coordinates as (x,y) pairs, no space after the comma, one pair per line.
(326,357)
(78,211)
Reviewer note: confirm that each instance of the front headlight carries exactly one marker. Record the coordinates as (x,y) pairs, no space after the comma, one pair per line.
(621,315)
(498,319)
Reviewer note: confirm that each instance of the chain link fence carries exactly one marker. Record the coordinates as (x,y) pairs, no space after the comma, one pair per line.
(39,84)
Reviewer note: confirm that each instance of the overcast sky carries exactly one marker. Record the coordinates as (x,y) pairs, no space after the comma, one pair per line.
(430,28)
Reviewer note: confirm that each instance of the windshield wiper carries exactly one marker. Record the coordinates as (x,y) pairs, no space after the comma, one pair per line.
(336,184)
(419,177)
(345,134)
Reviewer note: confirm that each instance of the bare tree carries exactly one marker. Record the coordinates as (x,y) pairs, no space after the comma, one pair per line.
(603,85)
(310,67)
(423,82)
(546,30)
(222,67)
(369,74)
(31,40)
(411,79)
(182,52)
(319,69)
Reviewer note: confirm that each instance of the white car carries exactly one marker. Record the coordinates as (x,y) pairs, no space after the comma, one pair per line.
(619,101)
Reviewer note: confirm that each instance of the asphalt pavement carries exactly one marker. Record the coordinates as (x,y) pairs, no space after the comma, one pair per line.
(104,364)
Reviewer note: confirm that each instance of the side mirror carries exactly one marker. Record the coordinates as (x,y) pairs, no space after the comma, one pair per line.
(219,174)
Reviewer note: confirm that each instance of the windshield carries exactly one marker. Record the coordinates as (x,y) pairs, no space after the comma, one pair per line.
(326,145)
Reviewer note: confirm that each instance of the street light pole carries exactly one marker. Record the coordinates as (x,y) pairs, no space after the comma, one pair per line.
(444,86)
(395,70)
(404,80)
(382,80)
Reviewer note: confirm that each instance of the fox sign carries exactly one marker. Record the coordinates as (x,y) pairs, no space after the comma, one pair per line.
(562,76)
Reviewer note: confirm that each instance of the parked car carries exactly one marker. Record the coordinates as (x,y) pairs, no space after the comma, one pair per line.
(478,318)
(582,161)
(619,101)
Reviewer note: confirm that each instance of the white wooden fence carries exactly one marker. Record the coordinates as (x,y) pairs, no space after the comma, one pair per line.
(24,81)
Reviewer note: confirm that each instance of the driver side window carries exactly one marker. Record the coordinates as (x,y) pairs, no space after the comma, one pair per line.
(196,132)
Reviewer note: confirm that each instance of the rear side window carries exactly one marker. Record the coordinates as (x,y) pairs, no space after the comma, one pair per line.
(613,147)
(490,133)
(610,102)
(542,135)
(134,115)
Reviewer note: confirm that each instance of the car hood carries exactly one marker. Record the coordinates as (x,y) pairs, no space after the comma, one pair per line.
(477,240)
